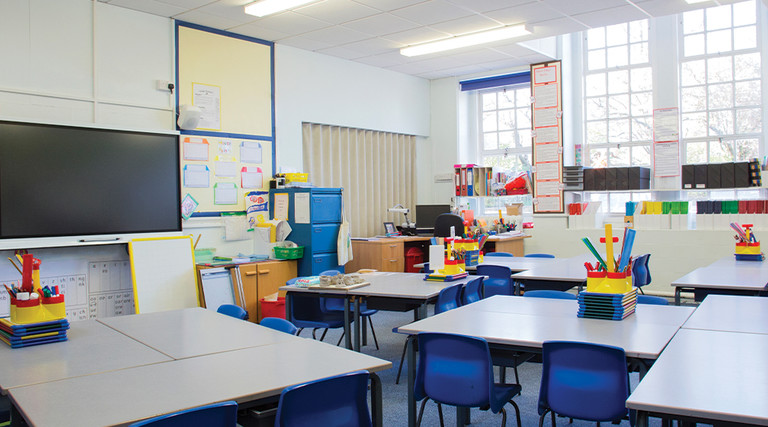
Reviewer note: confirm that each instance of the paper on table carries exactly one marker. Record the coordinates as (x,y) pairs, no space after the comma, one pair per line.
(301,208)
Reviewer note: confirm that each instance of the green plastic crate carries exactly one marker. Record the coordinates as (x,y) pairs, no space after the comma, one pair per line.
(289,253)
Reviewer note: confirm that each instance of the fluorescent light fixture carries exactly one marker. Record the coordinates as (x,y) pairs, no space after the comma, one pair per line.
(696,1)
(473,39)
(268,7)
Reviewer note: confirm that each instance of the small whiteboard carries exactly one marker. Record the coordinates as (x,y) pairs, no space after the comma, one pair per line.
(163,271)
(217,287)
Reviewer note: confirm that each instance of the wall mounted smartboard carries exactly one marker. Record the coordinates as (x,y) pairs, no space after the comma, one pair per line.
(163,272)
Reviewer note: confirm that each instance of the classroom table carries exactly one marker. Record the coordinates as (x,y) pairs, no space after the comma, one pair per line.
(91,348)
(730,313)
(245,375)
(192,332)
(523,324)
(561,275)
(386,291)
(517,264)
(707,376)
(722,278)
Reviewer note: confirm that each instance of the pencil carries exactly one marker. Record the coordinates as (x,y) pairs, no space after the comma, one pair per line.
(15,266)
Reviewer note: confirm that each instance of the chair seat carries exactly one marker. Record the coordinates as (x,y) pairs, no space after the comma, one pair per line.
(502,393)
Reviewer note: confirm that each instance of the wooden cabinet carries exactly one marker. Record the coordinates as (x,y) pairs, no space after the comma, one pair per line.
(258,280)
(381,255)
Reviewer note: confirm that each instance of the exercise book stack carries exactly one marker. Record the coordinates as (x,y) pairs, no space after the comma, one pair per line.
(607,306)
(29,334)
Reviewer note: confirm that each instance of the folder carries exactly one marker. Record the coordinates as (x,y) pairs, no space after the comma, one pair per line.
(195,149)
(196,176)
(742,206)
(741,174)
(622,179)
(250,152)
(713,176)
(727,175)
(470,181)
(251,177)
(700,175)
(717,207)
(611,179)
(599,179)
(457,179)
(689,181)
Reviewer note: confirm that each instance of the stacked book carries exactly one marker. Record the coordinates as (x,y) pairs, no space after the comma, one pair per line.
(437,277)
(17,335)
(607,306)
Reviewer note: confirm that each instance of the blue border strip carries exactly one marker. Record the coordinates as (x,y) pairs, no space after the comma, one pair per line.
(227,135)
(496,81)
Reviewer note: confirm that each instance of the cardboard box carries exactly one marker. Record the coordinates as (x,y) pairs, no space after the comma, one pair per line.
(515,209)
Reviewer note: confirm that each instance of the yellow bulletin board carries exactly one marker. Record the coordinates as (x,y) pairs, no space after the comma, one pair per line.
(232,152)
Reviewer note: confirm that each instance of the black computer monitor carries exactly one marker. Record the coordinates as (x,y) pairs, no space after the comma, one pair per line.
(426,214)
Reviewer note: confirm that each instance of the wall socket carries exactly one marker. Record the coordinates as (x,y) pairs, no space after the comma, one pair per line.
(162,84)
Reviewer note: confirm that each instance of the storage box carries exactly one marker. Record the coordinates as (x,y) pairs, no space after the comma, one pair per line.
(289,253)
(515,209)
(273,308)
(296,177)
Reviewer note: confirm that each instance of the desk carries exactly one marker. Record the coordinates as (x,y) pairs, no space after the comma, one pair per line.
(707,376)
(91,348)
(517,264)
(501,243)
(384,254)
(561,275)
(192,332)
(731,314)
(720,278)
(128,395)
(523,324)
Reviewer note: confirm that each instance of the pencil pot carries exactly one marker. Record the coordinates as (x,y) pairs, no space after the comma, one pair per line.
(595,280)
(53,308)
(25,311)
(618,283)
(745,248)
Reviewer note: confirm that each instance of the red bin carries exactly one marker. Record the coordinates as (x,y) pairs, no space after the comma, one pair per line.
(413,256)
(273,308)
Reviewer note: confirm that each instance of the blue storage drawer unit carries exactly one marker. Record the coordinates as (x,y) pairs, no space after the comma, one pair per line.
(319,236)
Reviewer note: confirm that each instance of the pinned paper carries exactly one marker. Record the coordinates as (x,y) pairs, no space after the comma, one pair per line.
(250,152)
(235,227)
(197,176)
(188,206)
(226,167)
(195,149)
(251,177)
(225,193)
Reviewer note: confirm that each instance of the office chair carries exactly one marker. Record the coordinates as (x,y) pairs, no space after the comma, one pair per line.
(500,254)
(340,400)
(279,324)
(539,256)
(337,304)
(648,299)
(448,299)
(472,291)
(583,380)
(469,380)
(546,293)
(498,281)
(641,274)
(223,414)
(444,222)
(233,310)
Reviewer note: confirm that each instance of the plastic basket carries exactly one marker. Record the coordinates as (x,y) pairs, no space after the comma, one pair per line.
(273,308)
(289,253)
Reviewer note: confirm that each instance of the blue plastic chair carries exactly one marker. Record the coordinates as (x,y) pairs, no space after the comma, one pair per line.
(498,281)
(583,380)
(457,370)
(336,401)
(223,414)
(499,254)
(337,304)
(641,274)
(308,311)
(539,256)
(279,324)
(648,299)
(472,291)
(233,310)
(547,293)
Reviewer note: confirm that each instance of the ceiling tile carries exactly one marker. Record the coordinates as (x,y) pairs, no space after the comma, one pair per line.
(186,4)
(381,24)
(336,35)
(526,13)
(556,27)
(469,24)
(304,43)
(432,12)
(229,9)
(292,23)
(373,46)
(610,16)
(416,36)
(150,6)
(387,5)
(488,5)
(571,7)
(340,52)
(337,11)
(207,20)
(385,60)
(254,30)
(666,7)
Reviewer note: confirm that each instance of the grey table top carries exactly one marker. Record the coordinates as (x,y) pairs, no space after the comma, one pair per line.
(124,396)
(91,348)
(731,313)
(567,270)
(517,264)
(193,332)
(718,276)
(709,374)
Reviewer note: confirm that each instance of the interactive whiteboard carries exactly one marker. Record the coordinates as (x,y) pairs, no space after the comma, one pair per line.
(163,272)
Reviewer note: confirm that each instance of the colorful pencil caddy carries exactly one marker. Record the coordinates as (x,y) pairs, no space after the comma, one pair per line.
(31,303)
(747,245)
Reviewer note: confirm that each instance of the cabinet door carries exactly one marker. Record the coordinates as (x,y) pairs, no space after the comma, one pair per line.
(271,276)
(392,257)
(248,277)
(324,237)
(325,207)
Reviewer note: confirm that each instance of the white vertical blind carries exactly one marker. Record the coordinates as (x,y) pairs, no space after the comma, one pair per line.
(375,169)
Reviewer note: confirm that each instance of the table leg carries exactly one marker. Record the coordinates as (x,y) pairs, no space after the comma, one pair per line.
(410,344)
(347,328)
(376,401)
(420,312)
(642,419)
(677,296)
(357,323)
(288,298)
(462,416)
(16,419)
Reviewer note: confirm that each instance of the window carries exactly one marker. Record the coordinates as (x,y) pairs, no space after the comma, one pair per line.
(505,127)
(720,95)
(618,95)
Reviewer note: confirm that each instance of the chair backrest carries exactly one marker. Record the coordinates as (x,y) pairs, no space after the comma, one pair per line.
(223,414)
(472,291)
(443,224)
(547,293)
(584,380)
(341,400)
(233,310)
(469,380)
(448,299)
(498,281)
(500,254)
(641,275)
(539,256)
(279,324)
(332,304)
(649,299)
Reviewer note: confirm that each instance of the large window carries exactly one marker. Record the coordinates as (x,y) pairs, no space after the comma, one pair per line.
(505,127)
(720,96)
(618,101)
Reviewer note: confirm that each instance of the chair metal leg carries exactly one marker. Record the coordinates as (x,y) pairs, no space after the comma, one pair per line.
(541,419)
(440,414)
(299,331)
(322,337)
(421,411)
(402,359)
(373,332)
(554,423)
(517,413)
(504,418)
(313,333)
(340,338)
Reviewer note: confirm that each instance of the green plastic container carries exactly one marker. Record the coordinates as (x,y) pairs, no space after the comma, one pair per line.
(289,253)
